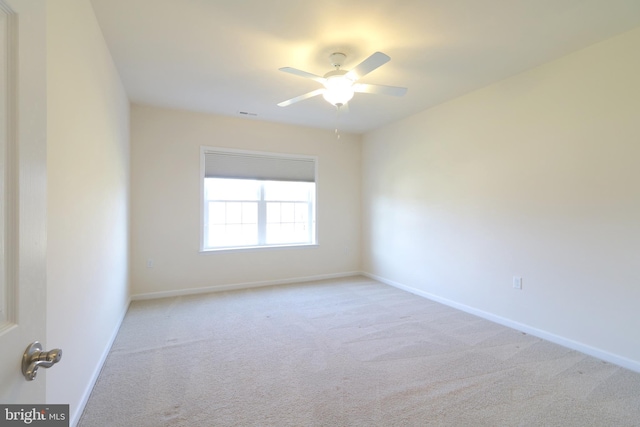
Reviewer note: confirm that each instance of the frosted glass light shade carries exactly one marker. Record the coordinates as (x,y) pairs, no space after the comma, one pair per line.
(339,90)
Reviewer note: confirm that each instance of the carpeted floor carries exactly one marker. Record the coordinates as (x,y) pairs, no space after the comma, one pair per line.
(347,352)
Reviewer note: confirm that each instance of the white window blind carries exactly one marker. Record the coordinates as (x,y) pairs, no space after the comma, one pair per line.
(257,166)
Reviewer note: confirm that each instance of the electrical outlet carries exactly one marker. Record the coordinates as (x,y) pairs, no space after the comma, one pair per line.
(517,282)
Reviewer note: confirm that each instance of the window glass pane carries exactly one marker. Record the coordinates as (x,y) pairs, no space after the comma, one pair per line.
(233,209)
(280,233)
(234,213)
(287,191)
(302,233)
(287,233)
(273,234)
(273,212)
(302,212)
(248,235)
(233,235)
(250,213)
(216,235)
(231,189)
(217,213)
(287,212)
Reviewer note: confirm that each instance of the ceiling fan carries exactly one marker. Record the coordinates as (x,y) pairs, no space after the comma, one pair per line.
(340,85)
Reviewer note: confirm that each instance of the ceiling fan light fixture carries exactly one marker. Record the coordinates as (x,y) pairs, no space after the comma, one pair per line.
(340,85)
(338,90)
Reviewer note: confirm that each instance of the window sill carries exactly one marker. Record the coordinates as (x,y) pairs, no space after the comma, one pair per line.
(258,248)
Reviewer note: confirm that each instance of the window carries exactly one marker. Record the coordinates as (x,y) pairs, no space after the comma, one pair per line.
(255,199)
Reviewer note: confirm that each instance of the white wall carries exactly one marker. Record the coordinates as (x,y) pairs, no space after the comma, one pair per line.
(535,176)
(165,202)
(88,174)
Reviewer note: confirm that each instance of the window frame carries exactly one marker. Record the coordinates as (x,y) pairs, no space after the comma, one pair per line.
(202,176)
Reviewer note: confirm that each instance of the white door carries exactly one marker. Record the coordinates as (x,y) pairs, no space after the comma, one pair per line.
(22,194)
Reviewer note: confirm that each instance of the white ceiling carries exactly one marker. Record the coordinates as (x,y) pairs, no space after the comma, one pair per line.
(222,56)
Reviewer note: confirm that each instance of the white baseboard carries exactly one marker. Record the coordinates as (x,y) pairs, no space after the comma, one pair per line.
(75,417)
(236,286)
(565,342)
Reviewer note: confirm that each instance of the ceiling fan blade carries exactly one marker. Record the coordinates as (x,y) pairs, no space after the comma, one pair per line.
(301,73)
(379,89)
(301,97)
(367,66)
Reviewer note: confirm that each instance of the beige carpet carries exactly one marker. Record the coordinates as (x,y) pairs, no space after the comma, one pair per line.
(349,352)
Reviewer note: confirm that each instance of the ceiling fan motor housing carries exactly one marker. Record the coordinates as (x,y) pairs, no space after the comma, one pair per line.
(337,59)
(334,74)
